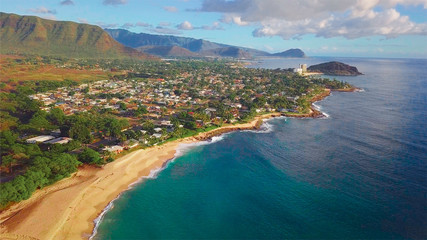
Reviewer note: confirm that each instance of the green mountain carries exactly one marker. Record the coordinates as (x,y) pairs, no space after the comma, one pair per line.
(199,47)
(34,35)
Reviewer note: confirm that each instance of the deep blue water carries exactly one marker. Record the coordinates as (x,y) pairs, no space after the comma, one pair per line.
(359,174)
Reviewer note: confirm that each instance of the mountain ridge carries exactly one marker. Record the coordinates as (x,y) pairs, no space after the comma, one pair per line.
(201,48)
(35,35)
(167,51)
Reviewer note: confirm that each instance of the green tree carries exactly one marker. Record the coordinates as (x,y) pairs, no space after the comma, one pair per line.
(122,106)
(56,116)
(39,122)
(62,165)
(141,110)
(80,133)
(148,126)
(7,139)
(7,162)
(90,156)
(7,121)
(190,125)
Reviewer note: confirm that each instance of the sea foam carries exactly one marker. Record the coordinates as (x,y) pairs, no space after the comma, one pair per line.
(319,108)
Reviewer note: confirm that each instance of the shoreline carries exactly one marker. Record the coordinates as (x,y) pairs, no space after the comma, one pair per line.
(68,209)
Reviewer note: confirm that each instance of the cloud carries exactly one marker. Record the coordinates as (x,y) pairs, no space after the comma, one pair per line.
(214,26)
(186,25)
(107,25)
(49,17)
(229,18)
(327,18)
(42,10)
(164,24)
(142,24)
(268,48)
(164,30)
(127,25)
(83,20)
(115,2)
(67,2)
(170,9)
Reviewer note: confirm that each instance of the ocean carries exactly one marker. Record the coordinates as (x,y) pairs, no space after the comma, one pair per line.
(360,173)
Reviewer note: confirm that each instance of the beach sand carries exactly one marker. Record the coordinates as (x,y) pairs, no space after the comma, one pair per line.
(67,209)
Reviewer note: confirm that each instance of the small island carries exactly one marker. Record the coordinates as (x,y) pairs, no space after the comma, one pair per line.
(335,69)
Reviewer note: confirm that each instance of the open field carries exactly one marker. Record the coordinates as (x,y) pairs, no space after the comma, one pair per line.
(13,73)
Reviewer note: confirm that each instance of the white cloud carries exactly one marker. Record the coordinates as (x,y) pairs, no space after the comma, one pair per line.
(83,20)
(164,30)
(42,10)
(186,25)
(128,25)
(164,24)
(326,18)
(142,24)
(268,48)
(49,17)
(231,18)
(170,9)
(214,26)
(107,25)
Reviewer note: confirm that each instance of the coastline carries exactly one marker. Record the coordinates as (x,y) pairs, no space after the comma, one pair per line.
(67,209)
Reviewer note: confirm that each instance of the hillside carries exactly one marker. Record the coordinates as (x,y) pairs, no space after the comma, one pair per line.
(234,52)
(167,51)
(200,47)
(34,35)
(291,53)
(335,69)
(136,40)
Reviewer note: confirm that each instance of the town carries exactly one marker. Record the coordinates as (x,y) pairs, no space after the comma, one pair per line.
(141,105)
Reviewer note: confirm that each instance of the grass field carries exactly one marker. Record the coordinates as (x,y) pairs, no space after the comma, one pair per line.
(13,72)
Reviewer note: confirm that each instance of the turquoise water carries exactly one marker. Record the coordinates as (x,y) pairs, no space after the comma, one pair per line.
(358,174)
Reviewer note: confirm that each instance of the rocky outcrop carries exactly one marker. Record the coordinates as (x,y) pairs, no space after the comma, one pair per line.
(335,69)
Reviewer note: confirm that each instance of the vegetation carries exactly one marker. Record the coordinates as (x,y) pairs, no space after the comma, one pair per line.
(43,167)
(90,156)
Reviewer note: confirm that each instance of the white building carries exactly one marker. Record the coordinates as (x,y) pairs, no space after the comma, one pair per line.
(115,148)
(40,139)
(302,68)
(60,140)
(298,70)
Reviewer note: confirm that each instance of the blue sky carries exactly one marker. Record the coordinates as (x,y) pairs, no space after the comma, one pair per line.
(356,28)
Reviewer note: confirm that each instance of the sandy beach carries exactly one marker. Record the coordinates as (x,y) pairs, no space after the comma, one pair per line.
(67,209)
